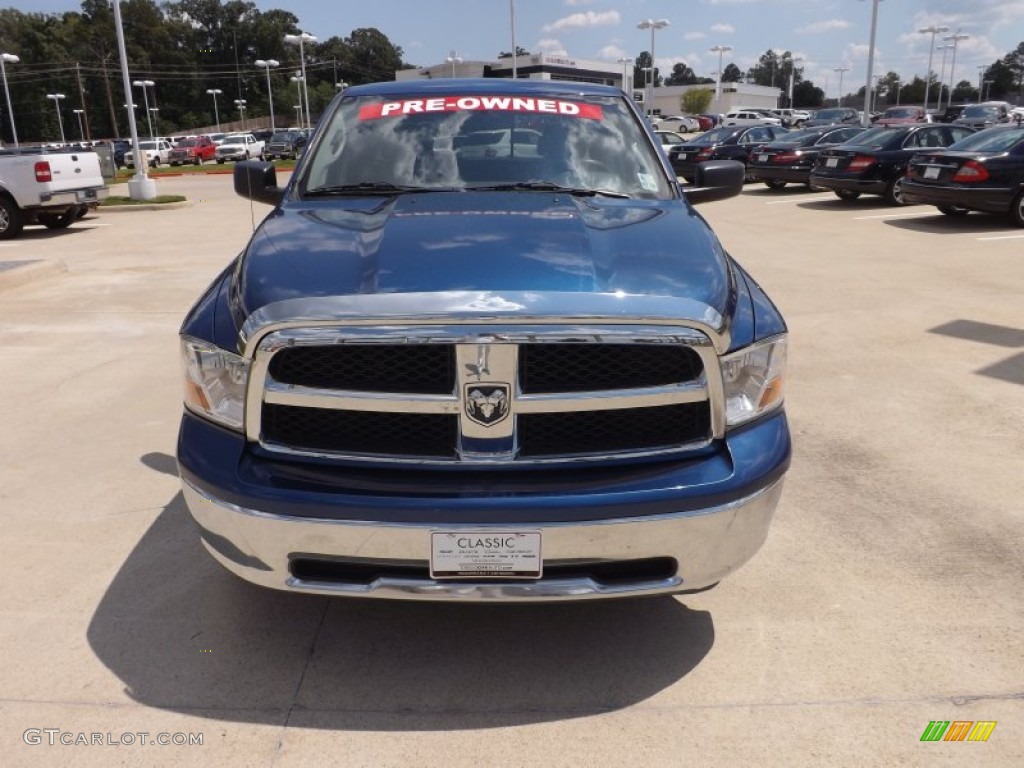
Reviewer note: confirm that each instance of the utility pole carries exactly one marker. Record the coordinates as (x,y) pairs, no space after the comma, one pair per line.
(110,99)
(81,98)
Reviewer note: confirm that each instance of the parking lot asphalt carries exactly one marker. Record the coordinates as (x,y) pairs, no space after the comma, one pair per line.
(888,594)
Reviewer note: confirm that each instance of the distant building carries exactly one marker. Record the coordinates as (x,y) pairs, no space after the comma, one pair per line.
(533,66)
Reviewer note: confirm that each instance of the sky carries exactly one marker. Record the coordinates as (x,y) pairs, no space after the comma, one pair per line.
(825,34)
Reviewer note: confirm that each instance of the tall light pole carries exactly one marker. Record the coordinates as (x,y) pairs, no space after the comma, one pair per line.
(9,58)
(952,67)
(301,39)
(453,58)
(299,80)
(56,102)
(140,186)
(933,31)
(267,64)
(898,95)
(81,129)
(865,119)
(145,96)
(982,68)
(792,73)
(156,120)
(720,50)
(298,115)
(840,70)
(942,75)
(216,115)
(653,25)
(515,47)
(625,61)
(240,103)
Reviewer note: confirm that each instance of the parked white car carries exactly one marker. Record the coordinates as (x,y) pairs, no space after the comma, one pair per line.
(749,117)
(155,152)
(679,124)
(239,146)
(791,117)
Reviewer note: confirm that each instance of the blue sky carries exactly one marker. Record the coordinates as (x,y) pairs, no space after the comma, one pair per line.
(826,34)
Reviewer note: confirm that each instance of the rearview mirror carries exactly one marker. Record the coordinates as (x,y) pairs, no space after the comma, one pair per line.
(257,180)
(716,180)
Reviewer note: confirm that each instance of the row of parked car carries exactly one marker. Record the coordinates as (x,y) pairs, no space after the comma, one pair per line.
(219,147)
(952,166)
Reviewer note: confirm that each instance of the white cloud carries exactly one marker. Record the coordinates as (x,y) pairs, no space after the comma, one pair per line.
(726,29)
(694,36)
(552,46)
(612,51)
(587,19)
(819,27)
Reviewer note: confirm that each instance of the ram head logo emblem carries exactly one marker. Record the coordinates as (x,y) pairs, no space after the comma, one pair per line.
(487,404)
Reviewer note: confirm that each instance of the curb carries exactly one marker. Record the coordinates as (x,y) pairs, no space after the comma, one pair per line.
(153,207)
(30,272)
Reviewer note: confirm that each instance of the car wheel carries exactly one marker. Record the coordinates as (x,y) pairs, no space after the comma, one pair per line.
(197,160)
(846,194)
(58,220)
(952,210)
(174,164)
(220,161)
(774,184)
(894,192)
(1017,210)
(11,219)
(80,211)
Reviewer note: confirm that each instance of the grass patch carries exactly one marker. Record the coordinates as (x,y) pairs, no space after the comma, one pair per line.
(159,199)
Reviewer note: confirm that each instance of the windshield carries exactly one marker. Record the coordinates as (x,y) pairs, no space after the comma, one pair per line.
(455,141)
(283,136)
(188,143)
(993,140)
(878,137)
(980,111)
(235,138)
(714,136)
(147,145)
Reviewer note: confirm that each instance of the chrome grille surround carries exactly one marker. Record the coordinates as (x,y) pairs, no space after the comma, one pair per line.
(486,331)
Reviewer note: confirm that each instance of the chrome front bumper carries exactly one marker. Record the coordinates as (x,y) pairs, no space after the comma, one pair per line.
(707,544)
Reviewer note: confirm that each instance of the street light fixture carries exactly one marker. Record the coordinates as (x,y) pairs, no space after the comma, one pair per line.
(625,61)
(865,119)
(216,115)
(840,70)
(140,186)
(933,31)
(792,72)
(453,58)
(156,120)
(952,67)
(301,39)
(298,115)
(267,64)
(720,50)
(240,103)
(56,102)
(653,25)
(81,129)
(144,84)
(9,58)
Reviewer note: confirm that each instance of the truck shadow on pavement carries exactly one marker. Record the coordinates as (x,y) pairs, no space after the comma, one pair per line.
(184,634)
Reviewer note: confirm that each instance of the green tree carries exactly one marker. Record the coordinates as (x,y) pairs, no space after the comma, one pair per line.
(681,75)
(731,74)
(696,101)
(643,61)
(1014,62)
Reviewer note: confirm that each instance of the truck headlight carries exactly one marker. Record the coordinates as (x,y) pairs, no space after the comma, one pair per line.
(215,382)
(753,379)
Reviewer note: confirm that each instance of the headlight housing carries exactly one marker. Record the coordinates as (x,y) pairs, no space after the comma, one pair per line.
(215,382)
(753,379)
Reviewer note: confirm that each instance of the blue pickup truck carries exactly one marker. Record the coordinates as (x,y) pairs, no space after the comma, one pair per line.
(483,348)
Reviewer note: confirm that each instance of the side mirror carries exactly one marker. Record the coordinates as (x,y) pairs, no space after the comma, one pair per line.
(257,180)
(716,180)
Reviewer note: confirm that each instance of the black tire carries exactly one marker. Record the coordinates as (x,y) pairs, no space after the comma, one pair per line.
(220,161)
(775,184)
(952,210)
(58,220)
(12,220)
(846,194)
(197,160)
(1017,210)
(81,211)
(894,192)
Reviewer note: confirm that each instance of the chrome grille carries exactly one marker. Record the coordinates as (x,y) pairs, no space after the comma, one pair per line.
(469,395)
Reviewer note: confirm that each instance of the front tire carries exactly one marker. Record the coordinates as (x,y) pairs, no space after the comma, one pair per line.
(220,161)
(846,194)
(1017,211)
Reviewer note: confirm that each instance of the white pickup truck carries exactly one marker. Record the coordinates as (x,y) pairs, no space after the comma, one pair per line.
(240,146)
(49,188)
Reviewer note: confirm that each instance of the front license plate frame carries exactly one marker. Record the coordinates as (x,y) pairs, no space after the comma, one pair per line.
(486,554)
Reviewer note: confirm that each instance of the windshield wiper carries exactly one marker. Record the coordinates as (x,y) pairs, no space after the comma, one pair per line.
(547,186)
(370,188)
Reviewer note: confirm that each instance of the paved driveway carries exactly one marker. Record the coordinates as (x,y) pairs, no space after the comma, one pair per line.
(887,596)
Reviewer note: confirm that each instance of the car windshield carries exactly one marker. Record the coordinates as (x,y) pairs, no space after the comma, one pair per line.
(980,110)
(804,137)
(878,137)
(283,136)
(235,138)
(993,140)
(462,141)
(147,145)
(830,114)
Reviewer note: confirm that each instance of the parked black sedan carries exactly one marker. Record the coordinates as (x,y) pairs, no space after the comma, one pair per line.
(734,142)
(983,172)
(874,162)
(789,159)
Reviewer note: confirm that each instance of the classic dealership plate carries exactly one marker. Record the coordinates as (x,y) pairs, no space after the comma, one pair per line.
(485,554)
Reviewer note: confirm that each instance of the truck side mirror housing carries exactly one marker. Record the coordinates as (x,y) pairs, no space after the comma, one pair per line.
(257,180)
(716,180)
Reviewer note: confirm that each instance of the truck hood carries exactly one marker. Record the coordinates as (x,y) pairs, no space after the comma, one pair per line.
(495,242)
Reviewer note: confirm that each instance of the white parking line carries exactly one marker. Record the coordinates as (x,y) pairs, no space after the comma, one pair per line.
(802,199)
(1002,237)
(893,216)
